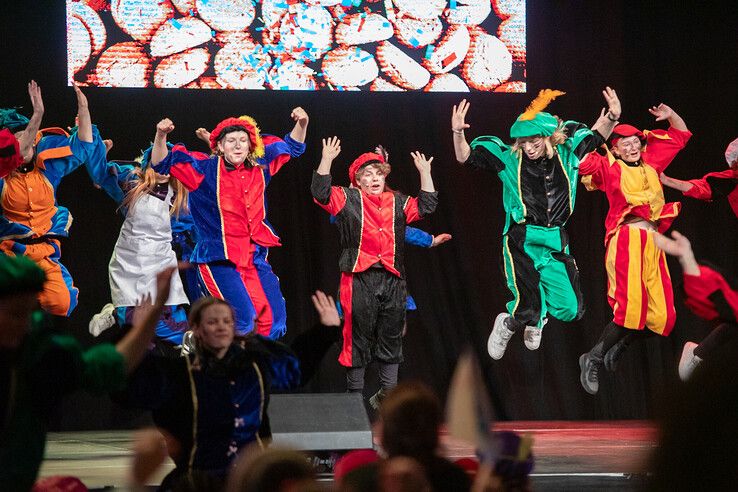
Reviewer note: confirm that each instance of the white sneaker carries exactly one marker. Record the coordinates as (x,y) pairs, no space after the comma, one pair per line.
(688,362)
(532,335)
(497,342)
(102,320)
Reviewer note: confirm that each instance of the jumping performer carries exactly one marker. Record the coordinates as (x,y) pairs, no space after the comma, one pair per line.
(539,183)
(144,246)
(371,219)
(32,222)
(639,285)
(229,209)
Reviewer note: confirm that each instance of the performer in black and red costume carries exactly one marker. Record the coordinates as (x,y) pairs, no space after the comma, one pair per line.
(710,294)
(371,220)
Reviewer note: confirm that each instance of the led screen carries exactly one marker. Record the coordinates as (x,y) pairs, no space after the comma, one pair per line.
(335,45)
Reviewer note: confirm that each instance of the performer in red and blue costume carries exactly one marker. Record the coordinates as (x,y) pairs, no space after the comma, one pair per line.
(31,221)
(228,206)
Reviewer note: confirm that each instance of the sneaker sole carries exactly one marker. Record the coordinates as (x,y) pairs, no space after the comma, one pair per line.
(583,374)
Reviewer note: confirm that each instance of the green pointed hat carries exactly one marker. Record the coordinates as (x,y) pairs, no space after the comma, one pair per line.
(534,121)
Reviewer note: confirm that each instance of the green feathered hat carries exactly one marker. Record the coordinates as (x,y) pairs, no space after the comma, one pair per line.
(19,275)
(12,120)
(534,122)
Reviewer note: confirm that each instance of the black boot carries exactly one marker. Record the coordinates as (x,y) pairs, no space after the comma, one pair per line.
(613,355)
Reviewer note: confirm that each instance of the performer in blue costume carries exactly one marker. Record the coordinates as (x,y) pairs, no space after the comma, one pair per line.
(228,207)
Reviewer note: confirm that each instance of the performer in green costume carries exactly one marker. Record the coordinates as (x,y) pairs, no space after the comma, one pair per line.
(539,174)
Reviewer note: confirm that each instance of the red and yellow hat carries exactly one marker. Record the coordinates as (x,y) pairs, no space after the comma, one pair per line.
(249,126)
(363,160)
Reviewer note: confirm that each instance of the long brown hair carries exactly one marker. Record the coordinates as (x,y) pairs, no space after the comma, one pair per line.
(147,180)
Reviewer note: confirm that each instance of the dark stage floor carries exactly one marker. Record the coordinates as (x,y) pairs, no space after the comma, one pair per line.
(569,455)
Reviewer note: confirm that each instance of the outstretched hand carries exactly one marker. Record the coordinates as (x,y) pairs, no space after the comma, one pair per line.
(326,308)
(203,135)
(421,162)
(458,116)
(34,92)
(81,98)
(440,239)
(613,103)
(164,127)
(331,148)
(661,112)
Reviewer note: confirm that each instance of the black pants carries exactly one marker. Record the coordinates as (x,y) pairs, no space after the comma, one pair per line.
(373,303)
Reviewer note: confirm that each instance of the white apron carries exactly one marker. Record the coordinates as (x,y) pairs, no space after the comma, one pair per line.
(144,249)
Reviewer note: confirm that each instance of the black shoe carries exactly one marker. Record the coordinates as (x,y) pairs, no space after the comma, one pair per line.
(613,355)
(589,368)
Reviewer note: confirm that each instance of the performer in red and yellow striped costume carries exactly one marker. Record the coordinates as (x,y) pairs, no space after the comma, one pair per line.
(639,285)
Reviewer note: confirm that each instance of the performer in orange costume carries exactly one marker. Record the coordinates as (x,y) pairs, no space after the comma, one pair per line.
(31,222)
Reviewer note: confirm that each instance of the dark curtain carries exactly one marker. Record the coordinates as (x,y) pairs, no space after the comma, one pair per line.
(650,52)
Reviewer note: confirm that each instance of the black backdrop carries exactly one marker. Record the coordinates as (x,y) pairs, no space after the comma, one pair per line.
(648,51)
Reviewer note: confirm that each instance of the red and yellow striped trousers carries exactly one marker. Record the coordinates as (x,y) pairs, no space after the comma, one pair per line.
(639,284)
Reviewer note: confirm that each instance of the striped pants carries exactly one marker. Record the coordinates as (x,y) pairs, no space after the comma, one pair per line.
(252,289)
(639,285)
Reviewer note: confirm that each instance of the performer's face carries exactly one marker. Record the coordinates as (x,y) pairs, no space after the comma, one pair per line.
(534,147)
(15,318)
(371,180)
(628,149)
(235,147)
(216,328)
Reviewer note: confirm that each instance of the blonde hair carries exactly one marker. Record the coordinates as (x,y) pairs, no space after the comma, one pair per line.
(147,180)
(558,137)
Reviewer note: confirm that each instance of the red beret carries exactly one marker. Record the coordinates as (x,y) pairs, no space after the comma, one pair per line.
(362,160)
(624,130)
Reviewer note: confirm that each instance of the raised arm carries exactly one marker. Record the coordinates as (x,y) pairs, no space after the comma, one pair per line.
(134,345)
(608,119)
(424,170)
(301,122)
(159,150)
(27,136)
(663,112)
(331,149)
(458,125)
(84,123)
